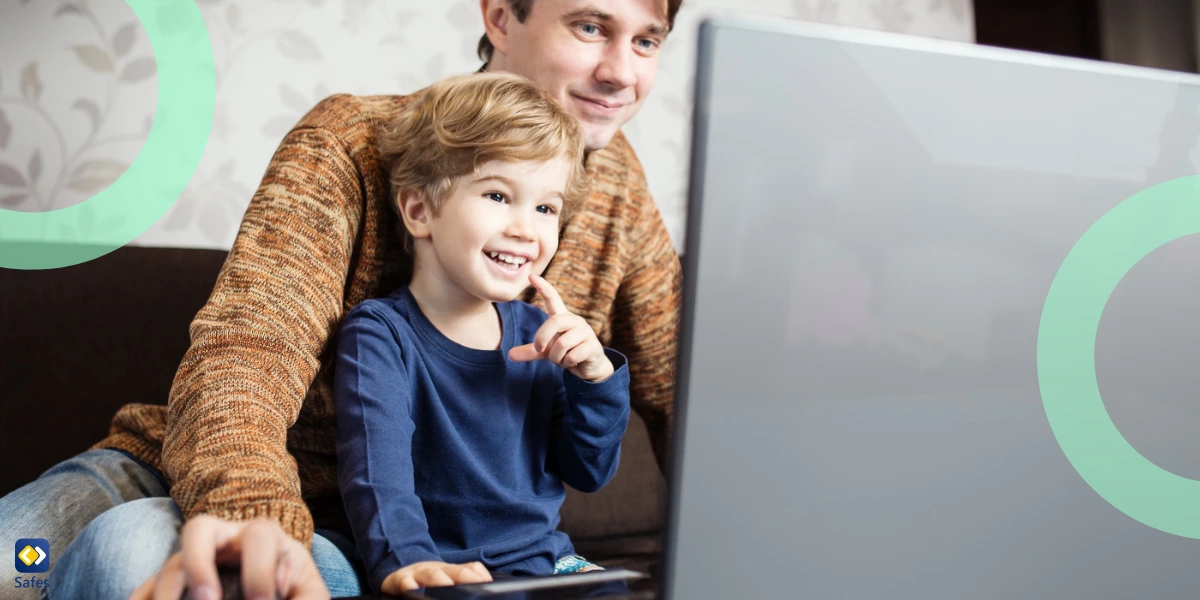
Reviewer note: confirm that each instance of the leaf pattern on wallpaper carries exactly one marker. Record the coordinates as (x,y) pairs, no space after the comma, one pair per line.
(396,34)
(5,129)
(123,39)
(958,8)
(31,84)
(278,126)
(214,221)
(139,70)
(91,109)
(94,57)
(354,15)
(821,11)
(94,175)
(35,167)
(293,99)
(464,16)
(11,177)
(225,171)
(181,214)
(436,68)
(233,16)
(298,45)
(88,226)
(68,9)
(892,14)
(13,200)
(84,167)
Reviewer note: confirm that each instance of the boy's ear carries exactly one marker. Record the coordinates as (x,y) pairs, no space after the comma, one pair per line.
(495,22)
(415,212)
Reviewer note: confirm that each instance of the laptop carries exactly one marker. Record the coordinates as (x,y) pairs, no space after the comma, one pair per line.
(901,372)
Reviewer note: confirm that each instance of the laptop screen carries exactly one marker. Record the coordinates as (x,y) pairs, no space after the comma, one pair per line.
(940,333)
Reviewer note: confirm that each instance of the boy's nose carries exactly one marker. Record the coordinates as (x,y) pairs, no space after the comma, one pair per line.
(521,227)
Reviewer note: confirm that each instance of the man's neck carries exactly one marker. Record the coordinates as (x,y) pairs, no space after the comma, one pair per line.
(459,315)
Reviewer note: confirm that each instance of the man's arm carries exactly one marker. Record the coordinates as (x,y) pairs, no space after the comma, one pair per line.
(256,343)
(645,318)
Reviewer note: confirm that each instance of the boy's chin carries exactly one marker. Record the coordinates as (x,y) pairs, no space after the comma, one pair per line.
(502,295)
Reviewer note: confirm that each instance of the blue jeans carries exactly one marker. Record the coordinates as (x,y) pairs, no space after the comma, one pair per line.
(111,525)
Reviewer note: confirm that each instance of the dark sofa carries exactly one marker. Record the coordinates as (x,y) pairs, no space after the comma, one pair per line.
(78,342)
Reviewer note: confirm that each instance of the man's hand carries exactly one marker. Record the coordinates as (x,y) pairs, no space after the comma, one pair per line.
(565,339)
(434,574)
(271,562)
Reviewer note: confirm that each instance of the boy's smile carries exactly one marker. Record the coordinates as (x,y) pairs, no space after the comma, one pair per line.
(509,264)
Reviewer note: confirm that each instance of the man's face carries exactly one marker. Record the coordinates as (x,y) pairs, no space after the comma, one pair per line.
(598,58)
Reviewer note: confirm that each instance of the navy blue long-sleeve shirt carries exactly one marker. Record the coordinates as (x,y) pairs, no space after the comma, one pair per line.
(455,454)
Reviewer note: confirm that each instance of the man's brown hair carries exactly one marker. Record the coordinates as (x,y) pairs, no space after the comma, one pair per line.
(520,9)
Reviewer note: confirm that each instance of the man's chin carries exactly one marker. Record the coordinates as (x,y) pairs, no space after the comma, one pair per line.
(598,140)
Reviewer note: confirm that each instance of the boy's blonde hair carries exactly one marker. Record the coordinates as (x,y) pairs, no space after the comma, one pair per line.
(454,126)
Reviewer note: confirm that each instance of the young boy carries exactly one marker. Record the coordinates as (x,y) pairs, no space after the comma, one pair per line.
(461,412)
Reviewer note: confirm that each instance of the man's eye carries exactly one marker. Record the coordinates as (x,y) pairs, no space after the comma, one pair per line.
(648,44)
(496,197)
(589,28)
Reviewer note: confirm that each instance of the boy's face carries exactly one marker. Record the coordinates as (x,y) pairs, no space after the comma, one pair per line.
(499,225)
(598,58)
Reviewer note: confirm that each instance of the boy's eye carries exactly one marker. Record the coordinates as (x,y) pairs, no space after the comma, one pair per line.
(496,197)
(546,209)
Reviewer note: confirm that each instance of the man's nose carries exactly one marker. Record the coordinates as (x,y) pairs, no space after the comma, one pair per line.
(616,67)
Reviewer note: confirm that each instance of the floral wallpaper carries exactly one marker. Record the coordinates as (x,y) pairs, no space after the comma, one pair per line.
(78,88)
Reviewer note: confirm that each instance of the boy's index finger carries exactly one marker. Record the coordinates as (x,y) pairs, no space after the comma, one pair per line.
(554,302)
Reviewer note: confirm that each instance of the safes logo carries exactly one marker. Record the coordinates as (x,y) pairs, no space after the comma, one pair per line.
(32,555)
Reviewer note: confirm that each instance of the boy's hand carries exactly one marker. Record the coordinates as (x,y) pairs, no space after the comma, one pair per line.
(434,574)
(565,339)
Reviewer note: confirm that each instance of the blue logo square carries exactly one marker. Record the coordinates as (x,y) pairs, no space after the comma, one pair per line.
(32,555)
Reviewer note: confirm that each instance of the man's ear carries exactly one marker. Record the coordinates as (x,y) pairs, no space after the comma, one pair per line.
(495,22)
(415,211)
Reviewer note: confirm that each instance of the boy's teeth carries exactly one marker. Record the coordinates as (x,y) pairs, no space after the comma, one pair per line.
(508,258)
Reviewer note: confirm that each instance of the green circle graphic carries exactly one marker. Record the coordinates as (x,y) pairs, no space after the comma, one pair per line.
(1066,362)
(162,169)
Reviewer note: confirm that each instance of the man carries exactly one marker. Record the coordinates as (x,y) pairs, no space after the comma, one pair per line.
(248,431)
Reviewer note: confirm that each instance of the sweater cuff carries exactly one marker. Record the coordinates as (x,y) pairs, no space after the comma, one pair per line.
(616,386)
(292,515)
(597,408)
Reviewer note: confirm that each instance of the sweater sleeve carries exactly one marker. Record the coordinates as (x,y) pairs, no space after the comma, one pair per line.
(593,421)
(645,317)
(256,344)
(374,448)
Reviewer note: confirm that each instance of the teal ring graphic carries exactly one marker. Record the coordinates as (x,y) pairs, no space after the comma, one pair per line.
(1066,363)
(168,159)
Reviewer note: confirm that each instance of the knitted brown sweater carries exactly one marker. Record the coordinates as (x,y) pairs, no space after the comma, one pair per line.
(248,430)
